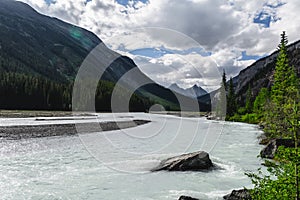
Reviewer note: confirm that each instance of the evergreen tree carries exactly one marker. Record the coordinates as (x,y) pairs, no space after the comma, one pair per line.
(231,100)
(283,93)
(282,119)
(249,105)
(26,92)
(221,103)
(224,80)
(261,100)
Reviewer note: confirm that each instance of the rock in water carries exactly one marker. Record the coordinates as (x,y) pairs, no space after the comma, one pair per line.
(242,194)
(271,148)
(187,198)
(196,161)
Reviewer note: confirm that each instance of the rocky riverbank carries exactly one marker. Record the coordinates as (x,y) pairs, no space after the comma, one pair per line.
(36,131)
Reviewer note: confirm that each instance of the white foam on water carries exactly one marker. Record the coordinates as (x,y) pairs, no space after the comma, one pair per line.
(64,168)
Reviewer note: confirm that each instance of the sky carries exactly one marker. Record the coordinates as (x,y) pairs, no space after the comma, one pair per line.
(184,41)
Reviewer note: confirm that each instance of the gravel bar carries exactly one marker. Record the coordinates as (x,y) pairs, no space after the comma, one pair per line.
(37,131)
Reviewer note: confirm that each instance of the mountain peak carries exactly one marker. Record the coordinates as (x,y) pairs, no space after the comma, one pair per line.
(174,85)
(51,49)
(194,91)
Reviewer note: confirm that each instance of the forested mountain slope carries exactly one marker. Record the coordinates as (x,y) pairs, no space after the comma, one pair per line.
(260,73)
(44,53)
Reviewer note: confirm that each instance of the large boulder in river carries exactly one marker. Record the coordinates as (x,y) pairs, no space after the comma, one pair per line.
(242,194)
(187,198)
(271,148)
(196,161)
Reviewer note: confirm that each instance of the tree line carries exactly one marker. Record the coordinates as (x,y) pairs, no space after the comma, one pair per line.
(277,109)
(29,92)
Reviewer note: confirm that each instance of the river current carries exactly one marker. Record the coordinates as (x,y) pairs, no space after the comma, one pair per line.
(116,164)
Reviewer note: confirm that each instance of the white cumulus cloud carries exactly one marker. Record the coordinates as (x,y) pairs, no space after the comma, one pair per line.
(225,28)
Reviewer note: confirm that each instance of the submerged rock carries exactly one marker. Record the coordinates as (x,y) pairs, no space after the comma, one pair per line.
(187,198)
(242,194)
(271,148)
(196,161)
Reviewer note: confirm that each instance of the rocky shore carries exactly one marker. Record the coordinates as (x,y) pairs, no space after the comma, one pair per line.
(36,131)
(272,146)
(242,194)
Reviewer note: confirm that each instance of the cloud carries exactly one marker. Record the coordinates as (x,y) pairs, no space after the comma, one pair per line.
(187,70)
(208,22)
(225,29)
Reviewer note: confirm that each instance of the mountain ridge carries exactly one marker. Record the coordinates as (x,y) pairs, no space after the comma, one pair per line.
(260,73)
(38,45)
(194,92)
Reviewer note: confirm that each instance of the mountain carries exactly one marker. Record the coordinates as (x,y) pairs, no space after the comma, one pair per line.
(193,92)
(35,45)
(260,73)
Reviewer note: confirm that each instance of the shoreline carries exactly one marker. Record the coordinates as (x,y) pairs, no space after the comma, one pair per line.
(45,113)
(38,131)
(35,113)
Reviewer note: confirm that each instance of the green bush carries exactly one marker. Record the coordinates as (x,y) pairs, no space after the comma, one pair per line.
(242,110)
(279,180)
(235,118)
(251,118)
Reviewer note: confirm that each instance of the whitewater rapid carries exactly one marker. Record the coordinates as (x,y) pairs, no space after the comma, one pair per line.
(116,164)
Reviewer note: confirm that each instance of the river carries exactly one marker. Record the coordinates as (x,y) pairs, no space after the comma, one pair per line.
(116,164)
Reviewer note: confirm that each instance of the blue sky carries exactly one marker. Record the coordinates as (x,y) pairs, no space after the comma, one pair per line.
(263,18)
(233,33)
(122,2)
(250,57)
(161,51)
(125,2)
